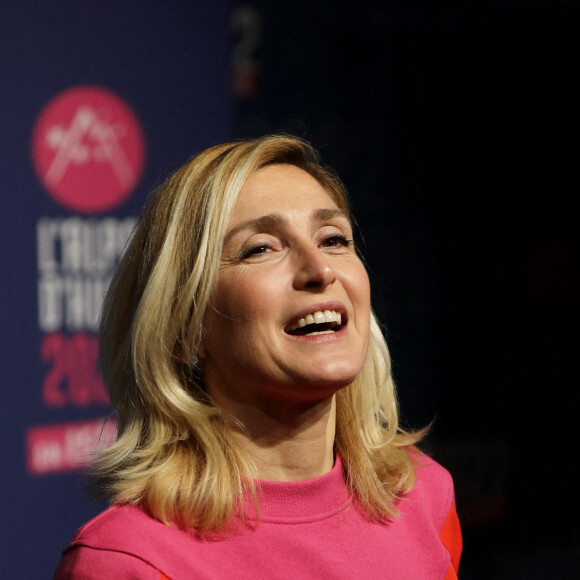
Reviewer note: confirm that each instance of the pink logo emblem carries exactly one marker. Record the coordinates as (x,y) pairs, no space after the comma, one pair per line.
(88,149)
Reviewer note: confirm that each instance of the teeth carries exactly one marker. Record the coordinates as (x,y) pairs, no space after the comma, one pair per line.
(318,317)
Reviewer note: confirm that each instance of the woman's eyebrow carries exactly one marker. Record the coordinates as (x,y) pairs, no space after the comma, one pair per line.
(324,214)
(265,222)
(274,220)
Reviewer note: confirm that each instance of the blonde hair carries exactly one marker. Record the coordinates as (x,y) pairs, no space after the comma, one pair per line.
(174,454)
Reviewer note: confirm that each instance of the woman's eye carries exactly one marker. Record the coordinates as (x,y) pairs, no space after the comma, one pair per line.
(336,241)
(254,251)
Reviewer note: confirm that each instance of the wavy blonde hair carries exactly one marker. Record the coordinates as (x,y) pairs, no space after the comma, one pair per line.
(174,454)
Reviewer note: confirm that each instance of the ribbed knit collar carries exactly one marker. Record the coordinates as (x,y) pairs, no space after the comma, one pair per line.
(302,501)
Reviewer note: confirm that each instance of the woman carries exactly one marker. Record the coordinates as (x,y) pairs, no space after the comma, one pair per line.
(258,430)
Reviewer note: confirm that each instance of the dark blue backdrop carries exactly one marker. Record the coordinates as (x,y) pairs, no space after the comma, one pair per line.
(454,126)
(169,63)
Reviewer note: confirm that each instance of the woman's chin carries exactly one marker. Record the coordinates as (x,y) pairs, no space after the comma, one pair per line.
(326,383)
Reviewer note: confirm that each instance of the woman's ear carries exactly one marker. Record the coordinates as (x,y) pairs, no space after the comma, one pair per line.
(195,358)
(184,356)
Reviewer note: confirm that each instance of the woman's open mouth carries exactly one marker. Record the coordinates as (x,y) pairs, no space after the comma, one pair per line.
(319,322)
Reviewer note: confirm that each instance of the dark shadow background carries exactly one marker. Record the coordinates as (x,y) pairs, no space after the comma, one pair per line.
(454,125)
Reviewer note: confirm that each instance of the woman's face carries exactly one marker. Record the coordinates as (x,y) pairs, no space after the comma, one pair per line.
(290,315)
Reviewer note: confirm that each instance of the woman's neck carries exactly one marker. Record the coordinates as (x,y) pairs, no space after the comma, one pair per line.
(289,442)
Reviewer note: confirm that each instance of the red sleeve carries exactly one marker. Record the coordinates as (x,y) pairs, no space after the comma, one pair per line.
(82,563)
(450,536)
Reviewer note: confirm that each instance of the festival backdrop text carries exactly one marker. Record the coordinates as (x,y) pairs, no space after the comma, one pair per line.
(98,104)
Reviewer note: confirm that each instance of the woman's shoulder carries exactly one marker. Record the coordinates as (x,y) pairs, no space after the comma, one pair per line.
(431,504)
(120,538)
(118,523)
(433,478)
(432,496)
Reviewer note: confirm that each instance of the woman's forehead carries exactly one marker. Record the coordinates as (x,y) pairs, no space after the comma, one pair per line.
(280,188)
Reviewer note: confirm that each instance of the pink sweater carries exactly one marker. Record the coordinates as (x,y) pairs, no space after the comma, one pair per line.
(307,529)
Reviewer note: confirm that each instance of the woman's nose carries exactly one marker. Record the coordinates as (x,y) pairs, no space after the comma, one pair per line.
(313,269)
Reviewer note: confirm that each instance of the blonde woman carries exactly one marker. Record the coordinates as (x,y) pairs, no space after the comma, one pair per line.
(258,434)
